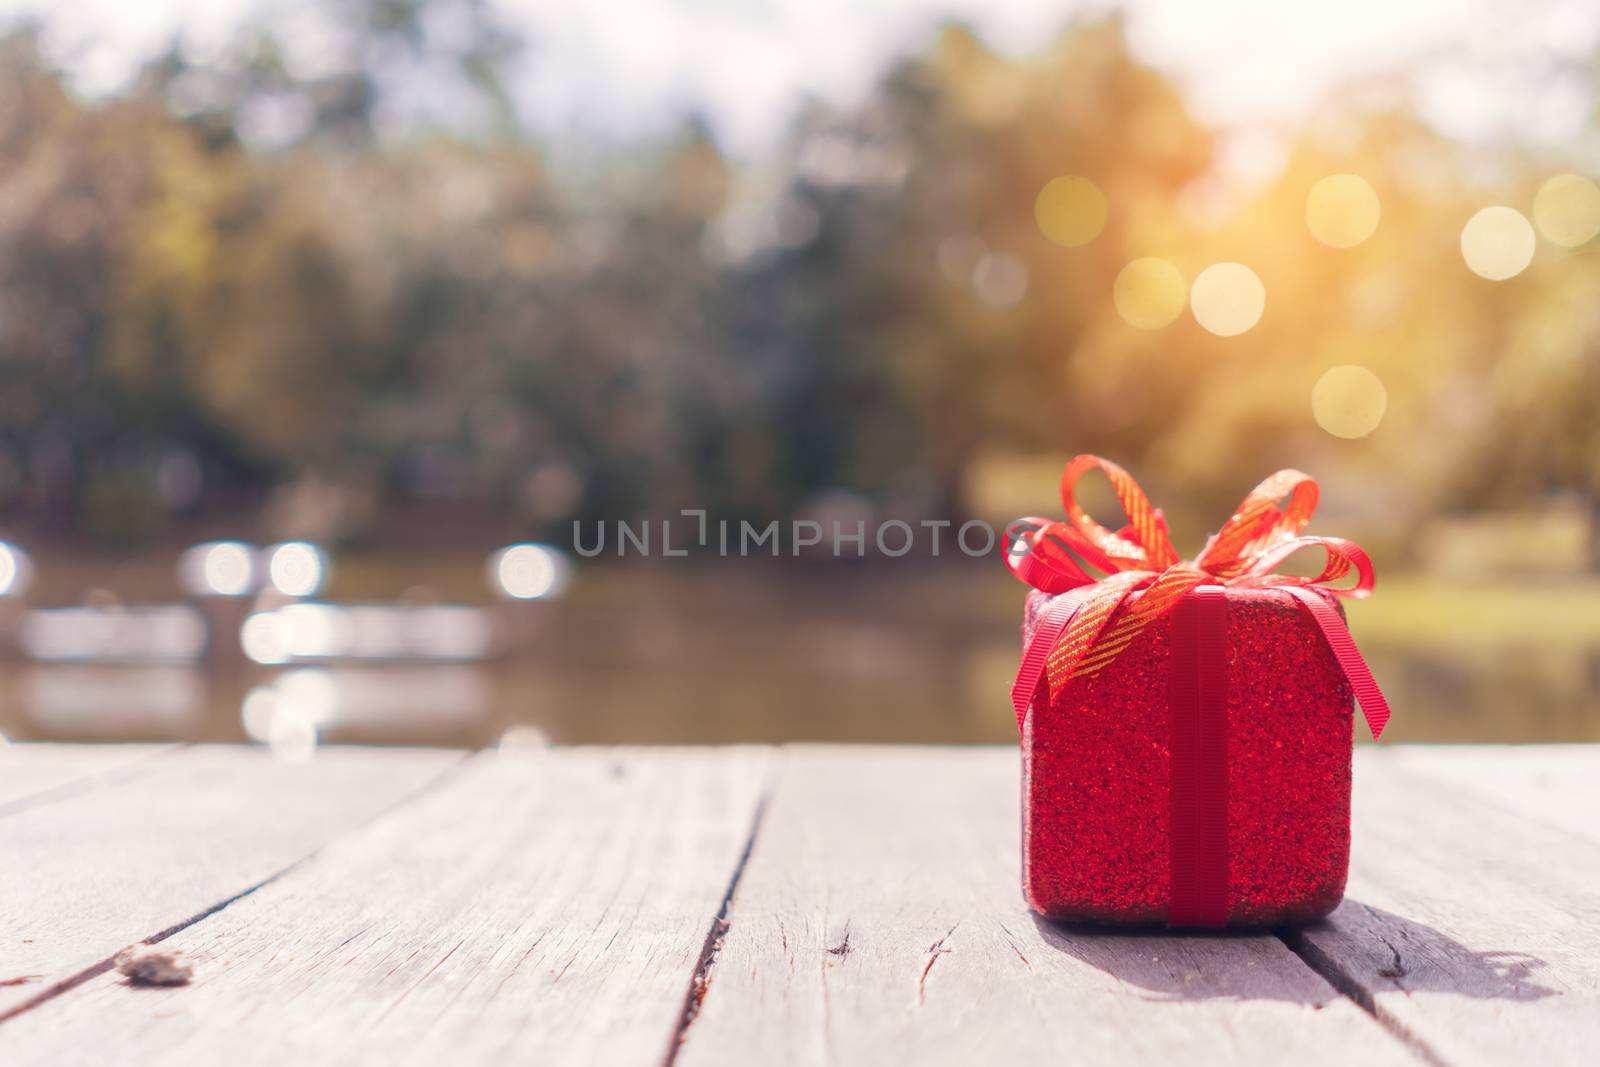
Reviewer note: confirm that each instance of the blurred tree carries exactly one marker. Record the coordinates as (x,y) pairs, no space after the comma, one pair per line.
(328,262)
(78,185)
(348,73)
(900,309)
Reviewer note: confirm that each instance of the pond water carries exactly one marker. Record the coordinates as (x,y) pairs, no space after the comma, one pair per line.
(921,653)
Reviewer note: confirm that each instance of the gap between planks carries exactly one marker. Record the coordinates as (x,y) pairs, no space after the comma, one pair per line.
(1471,919)
(1351,989)
(524,890)
(1312,956)
(700,980)
(108,765)
(1544,787)
(728,926)
(95,970)
(122,773)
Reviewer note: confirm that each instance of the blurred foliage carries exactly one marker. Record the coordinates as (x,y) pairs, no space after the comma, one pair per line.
(234,280)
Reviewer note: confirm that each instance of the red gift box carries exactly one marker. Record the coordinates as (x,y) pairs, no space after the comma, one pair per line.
(1186,725)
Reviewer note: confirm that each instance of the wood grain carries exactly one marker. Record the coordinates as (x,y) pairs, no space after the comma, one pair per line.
(879,921)
(1554,784)
(538,908)
(1470,924)
(33,773)
(552,906)
(92,872)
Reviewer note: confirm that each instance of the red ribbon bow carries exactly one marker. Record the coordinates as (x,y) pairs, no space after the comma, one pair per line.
(1144,579)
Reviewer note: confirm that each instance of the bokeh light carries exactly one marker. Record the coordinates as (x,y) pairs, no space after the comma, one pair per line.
(1567,210)
(958,255)
(1149,293)
(308,631)
(1000,280)
(218,568)
(523,738)
(292,734)
(1070,210)
(1228,299)
(1349,401)
(1497,243)
(1342,210)
(296,568)
(109,631)
(528,572)
(262,640)
(296,632)
(256,712)
(16,570)
(310,691)
(8,569)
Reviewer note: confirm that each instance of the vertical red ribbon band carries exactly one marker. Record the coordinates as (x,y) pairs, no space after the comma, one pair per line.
(1197,723)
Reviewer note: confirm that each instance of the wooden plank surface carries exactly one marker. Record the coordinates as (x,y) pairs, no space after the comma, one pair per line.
(537,908)
(1555,784)
(1471,923)
(92,872)
(879,921)
(31,772)
(553,907)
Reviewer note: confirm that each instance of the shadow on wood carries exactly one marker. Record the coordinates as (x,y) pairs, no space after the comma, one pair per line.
(1365,950)
(1378,951)
(1175,965)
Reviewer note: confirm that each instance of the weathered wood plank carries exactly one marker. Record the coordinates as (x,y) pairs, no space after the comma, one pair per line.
(32,772)
(540,908)
(879,920)
(1556,784)
(1471,924)
(92,872)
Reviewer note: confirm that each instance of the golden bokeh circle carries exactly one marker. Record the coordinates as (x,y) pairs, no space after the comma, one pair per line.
(1228,298)
(1342,210)
(1349,401)
(1070,210)
(1567,210)
(1149,293)
(1497,243)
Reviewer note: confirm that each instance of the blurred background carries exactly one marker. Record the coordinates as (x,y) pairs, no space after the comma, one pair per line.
(322,322)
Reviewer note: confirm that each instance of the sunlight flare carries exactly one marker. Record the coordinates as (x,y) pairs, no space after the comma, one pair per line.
(1228,299)
(1349,401)
(1497,243)
(1149,293)
(1342,210)
(1000,280)
(1070,210)
(1567,210)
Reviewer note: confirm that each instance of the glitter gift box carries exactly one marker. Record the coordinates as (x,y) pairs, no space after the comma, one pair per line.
(1186,726)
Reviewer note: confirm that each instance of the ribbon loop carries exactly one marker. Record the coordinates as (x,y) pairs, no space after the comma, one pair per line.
(1052,555)
(1144,579)
(1259,522)
(1144,542)
(1343,557)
